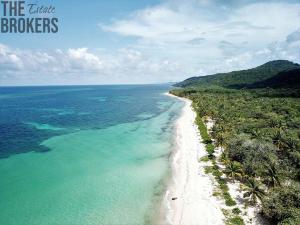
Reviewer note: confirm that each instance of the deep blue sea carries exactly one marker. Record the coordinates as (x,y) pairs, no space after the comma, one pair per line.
(84,154)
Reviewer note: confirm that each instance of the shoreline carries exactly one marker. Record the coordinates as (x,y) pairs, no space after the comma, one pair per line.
(189,185)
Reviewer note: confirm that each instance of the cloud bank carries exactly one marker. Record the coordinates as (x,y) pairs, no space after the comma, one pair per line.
(81,66)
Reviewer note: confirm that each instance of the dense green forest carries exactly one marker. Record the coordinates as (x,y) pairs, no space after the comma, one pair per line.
(275,74)
(259,132)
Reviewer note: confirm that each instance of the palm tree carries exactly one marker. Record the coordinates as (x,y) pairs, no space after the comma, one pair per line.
(224,158)
(277,123)
(220,139)
(256,133)
(253,190)
(271,175)
(278,139)
(291,144)
(234,170)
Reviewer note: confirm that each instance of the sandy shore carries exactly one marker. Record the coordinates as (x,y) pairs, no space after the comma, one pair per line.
(190,185)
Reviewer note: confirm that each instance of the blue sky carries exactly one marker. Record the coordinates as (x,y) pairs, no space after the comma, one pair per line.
(79,21)
(151,41)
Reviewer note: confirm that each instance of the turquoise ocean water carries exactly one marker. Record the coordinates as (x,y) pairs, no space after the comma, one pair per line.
(84,154)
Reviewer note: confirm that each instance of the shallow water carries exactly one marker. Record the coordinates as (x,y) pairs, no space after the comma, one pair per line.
(103,163)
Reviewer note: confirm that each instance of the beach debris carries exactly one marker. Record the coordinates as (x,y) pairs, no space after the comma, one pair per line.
(174,198)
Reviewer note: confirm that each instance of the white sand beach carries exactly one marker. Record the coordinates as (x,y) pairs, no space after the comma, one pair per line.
(192,188)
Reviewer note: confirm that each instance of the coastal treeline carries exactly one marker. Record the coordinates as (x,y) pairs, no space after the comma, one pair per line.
(259,136)
(257,129)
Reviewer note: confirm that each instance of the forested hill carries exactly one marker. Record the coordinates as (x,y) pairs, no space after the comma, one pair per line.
(275,74)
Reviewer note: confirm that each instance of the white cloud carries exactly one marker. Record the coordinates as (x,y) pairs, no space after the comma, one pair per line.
(82,66)
(208,36)
(174,21)
(80,59)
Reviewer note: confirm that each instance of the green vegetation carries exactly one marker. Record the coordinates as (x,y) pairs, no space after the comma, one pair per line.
(280,73)
(233,170)
(236,211)
(283,204)
(253,190)
(204,159)
(259,132)
(228,199)
(203,131)
(237,220)
(215,171)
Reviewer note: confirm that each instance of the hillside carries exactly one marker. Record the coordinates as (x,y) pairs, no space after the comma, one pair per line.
(279,73)
(285,79)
